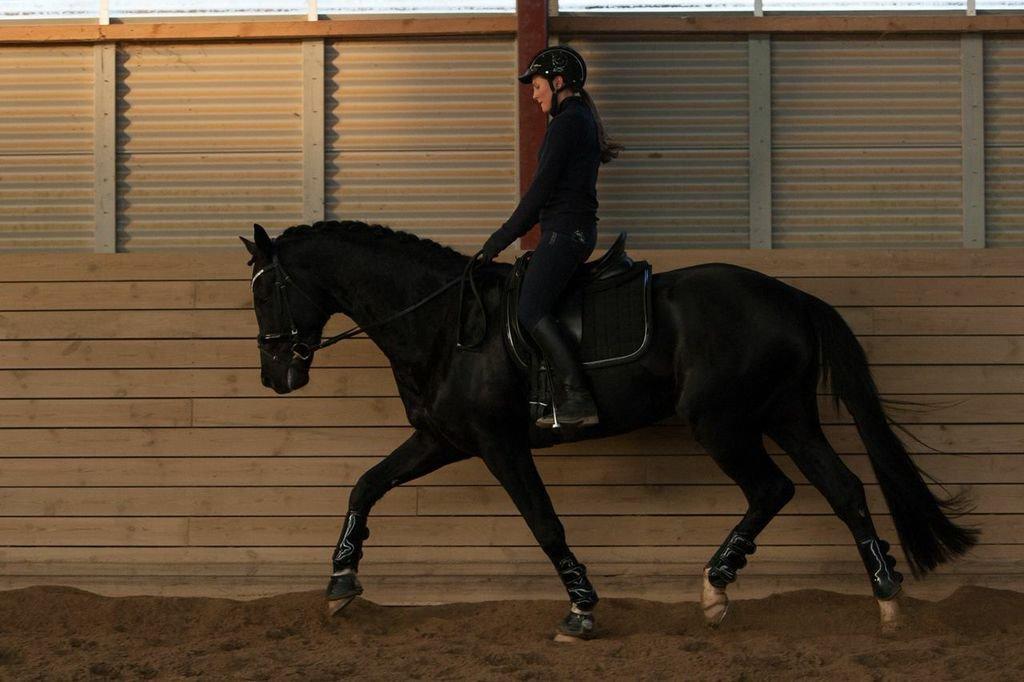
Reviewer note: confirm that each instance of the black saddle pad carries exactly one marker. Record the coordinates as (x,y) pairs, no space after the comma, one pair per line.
(609,319)
(615,317)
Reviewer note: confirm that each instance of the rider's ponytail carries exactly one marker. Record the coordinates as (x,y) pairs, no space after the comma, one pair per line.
(609,148)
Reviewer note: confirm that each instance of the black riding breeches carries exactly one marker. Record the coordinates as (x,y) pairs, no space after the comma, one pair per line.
(552,265)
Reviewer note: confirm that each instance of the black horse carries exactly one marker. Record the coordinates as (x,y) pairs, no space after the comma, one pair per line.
(736,354)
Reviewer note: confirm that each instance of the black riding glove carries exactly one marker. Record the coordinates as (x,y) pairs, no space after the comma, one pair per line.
(492,247)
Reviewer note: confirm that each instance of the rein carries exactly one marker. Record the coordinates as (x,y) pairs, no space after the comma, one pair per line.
(305,351)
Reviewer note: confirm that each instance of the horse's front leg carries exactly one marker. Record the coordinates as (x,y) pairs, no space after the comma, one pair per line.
(515,470)
(421,454)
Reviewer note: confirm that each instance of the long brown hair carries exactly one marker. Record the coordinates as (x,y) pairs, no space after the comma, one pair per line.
(609,148)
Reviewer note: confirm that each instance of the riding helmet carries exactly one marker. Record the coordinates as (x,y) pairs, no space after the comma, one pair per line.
(558,60)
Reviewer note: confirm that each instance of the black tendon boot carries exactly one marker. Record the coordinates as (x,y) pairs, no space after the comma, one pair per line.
(574,406)
(344,586)
(580,621)
(885,579)
(730,557)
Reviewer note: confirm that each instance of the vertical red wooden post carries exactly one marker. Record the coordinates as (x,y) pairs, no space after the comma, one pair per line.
(531,38)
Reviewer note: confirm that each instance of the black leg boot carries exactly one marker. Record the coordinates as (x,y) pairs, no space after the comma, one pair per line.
(885,579)
(344,585)
(574,406)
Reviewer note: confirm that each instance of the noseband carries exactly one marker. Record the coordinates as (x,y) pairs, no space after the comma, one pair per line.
(304,351)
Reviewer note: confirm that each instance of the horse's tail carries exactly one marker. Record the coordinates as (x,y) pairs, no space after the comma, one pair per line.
(922,521)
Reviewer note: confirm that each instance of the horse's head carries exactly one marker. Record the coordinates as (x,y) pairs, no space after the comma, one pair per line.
(290,319)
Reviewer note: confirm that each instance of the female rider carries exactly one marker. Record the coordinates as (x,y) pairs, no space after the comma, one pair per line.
(563,195)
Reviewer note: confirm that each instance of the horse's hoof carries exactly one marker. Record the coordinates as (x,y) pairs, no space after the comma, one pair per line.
(578,626)
(891,618)
(715,603)
(341,591)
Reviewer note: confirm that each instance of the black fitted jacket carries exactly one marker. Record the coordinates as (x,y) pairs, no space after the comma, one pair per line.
(563,194)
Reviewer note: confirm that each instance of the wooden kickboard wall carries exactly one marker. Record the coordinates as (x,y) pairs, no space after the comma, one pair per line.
(139,453)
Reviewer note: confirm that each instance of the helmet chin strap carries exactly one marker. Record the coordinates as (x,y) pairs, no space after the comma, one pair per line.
(554,97)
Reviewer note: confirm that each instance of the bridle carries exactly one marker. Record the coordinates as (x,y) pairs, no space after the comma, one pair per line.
(304,351)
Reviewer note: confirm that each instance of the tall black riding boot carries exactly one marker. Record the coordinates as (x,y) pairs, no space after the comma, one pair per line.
(574,406)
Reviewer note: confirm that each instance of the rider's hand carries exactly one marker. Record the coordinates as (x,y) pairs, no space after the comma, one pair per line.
(492,247)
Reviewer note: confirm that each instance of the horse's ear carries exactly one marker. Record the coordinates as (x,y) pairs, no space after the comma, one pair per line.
(250,247)
(263,241)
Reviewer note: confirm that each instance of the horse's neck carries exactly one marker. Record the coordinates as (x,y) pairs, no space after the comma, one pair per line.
(382,285)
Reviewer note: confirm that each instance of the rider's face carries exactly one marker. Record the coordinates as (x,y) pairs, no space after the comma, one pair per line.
(542,91)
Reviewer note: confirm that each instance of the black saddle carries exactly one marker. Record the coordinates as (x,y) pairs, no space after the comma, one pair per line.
(605,310)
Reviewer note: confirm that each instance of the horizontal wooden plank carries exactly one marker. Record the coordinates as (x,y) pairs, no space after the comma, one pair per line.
(601,560)
(890,291)
(379,382)
(672,500)
(420,590)
(837,291)
(333,412)
(934,320)
(160,412)
(191,501)
(948,378)
(377,442)
(941,409)
(127,324)
(308,412)
(630,24)
(933,409)
(944,350)
(412,500)
(236,295)
(394,531)
(951,469)
(170,353)
(228,30)
(97,295)
(44,531)
(241,323)
(241,353)
(581,531)
(329,382)
(214,264)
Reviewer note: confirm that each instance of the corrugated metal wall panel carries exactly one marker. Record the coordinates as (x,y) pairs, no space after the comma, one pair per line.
(1004,142)
(680,109)
(421,135)
(866,197)
(209,141)
(456,198)
(867,142)
(46,148)
(203,200)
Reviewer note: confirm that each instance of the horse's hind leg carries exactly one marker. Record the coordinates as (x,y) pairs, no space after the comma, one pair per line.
(800,435)
(741,455)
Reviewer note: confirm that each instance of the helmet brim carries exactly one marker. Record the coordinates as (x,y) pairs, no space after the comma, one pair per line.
(527,77)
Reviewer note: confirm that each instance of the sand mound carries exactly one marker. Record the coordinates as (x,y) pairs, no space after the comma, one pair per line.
(64,633)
